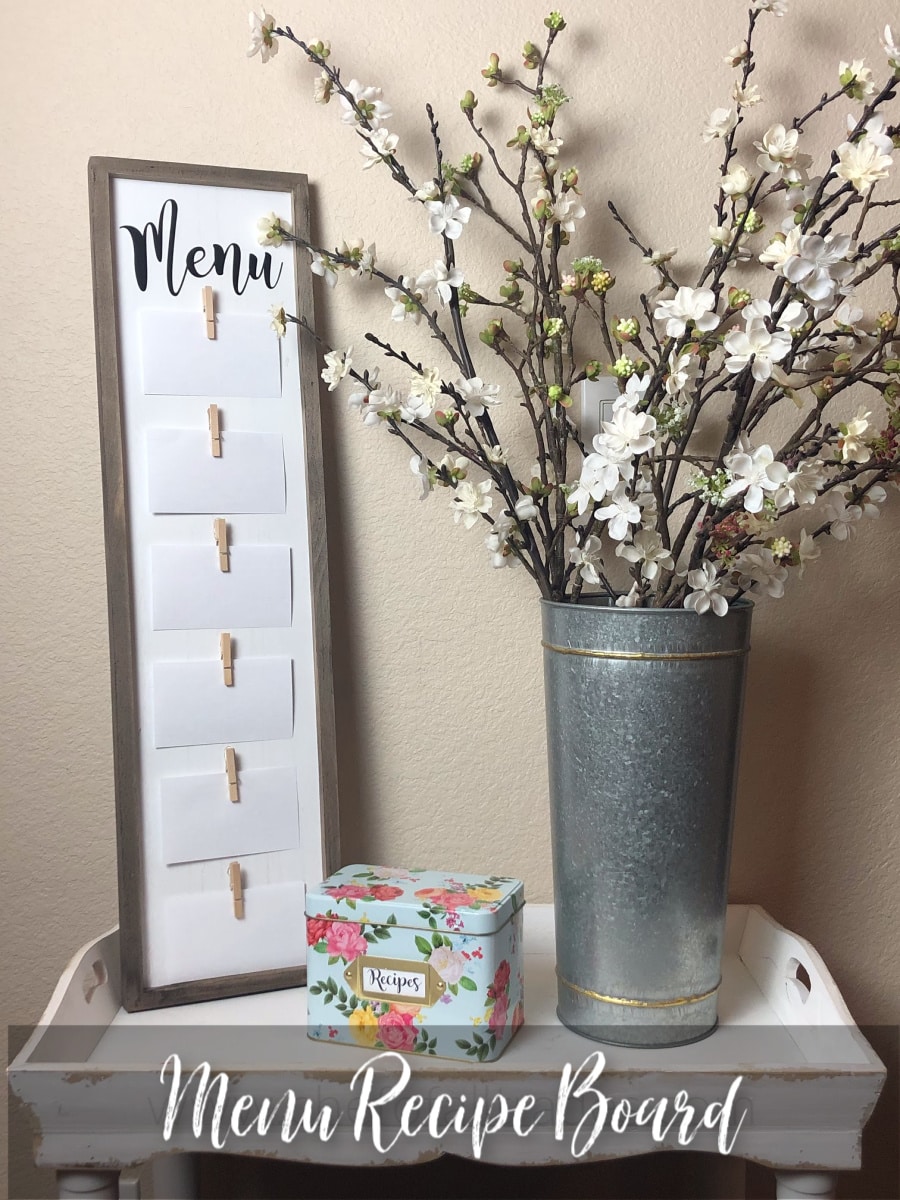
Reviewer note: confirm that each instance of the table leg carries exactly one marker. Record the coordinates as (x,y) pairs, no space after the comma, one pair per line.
(805,1185)
(98,1185)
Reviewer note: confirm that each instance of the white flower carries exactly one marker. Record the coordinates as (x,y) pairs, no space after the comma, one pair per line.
(780,154)
(689,304)
(756,345)
(441,280)
(359,397)
(366,100)
(471,499)
(760,572)
(477,395)
(647,548)
(543,140)
(588,558)
(794,316)
(323,267)
(842,517)
(858,77)
(634,391)
(862,163)
(526,509)
(627,434)
(279,320)
(753,474)
(658,258)
(416,407)
(707,592)
(736,54)
(848,314)
(420,469)
(720,124)
(875,129)
(746,97)
(322,88)
(499,543)
(567,210)
(270,230)
(737,182)
(723,236)
(380,402)
(363,257)
(629,599)
(780,249)
(683,370)
(807,481)
(808,550)
(853,448)
(777,7)
(447,217)
(427,387)
(262,41)
(871,500)
(428,191)
(891,49)
(378,147)
(817,267)
(620,513)
(338,364)
(599,475)
(405,300)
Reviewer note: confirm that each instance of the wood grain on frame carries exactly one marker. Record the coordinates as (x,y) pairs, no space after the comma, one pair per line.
(136,992)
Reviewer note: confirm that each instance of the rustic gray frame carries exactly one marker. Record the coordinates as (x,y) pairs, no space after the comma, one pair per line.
(136,994)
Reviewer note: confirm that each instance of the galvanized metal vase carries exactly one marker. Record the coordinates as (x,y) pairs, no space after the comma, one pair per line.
(643,729)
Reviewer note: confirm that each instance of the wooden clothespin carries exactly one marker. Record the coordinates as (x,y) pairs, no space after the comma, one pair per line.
(231,774)
(220,533)
(215,435)
(227,658)
(209,309)
(237,889)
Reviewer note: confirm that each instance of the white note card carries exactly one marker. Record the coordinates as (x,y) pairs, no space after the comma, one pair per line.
(199,821)
(190,592)
(193,707)
(184,476)
(178,359)
(203,938)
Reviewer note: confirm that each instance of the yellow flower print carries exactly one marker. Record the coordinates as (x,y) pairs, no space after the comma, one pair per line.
(363,1026)
(485,894)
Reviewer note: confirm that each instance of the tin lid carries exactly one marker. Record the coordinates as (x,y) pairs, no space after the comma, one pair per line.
(417,899)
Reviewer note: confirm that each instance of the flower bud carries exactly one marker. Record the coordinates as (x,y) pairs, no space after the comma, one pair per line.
(623,367)
(555,21)
(553,327)
(738,298)
(521,138)
(511,291)
(512,266)
(626,329)
(493,333)
(593,369)
(492,72)
(842,364)
(891,366)
(447,419)
(823,390)
(602,281)
(322,49)
(570,179)
(886,323)
(468,102)
(531,56)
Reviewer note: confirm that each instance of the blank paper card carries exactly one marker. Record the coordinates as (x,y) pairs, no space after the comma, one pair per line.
(193,707)
(178,359)
(185,477)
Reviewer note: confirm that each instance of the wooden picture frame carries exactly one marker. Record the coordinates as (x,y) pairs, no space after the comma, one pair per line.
(149,977)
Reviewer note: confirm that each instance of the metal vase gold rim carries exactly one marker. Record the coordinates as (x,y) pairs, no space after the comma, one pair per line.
(643,718)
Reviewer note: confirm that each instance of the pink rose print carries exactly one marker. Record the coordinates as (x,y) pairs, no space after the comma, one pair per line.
(316,929)
(497,1021)
(518,1017)
(396,1030)
(348,891)
(383,891)
(501,978)
(345,940)
(445,898)
(391,873)
(449,964)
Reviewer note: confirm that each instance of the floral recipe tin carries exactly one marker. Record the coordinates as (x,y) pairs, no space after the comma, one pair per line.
(417,961)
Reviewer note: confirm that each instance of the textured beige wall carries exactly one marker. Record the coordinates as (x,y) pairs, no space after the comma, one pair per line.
(438,663)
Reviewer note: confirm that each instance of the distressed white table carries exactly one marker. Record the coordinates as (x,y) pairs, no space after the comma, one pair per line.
(90,1073)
